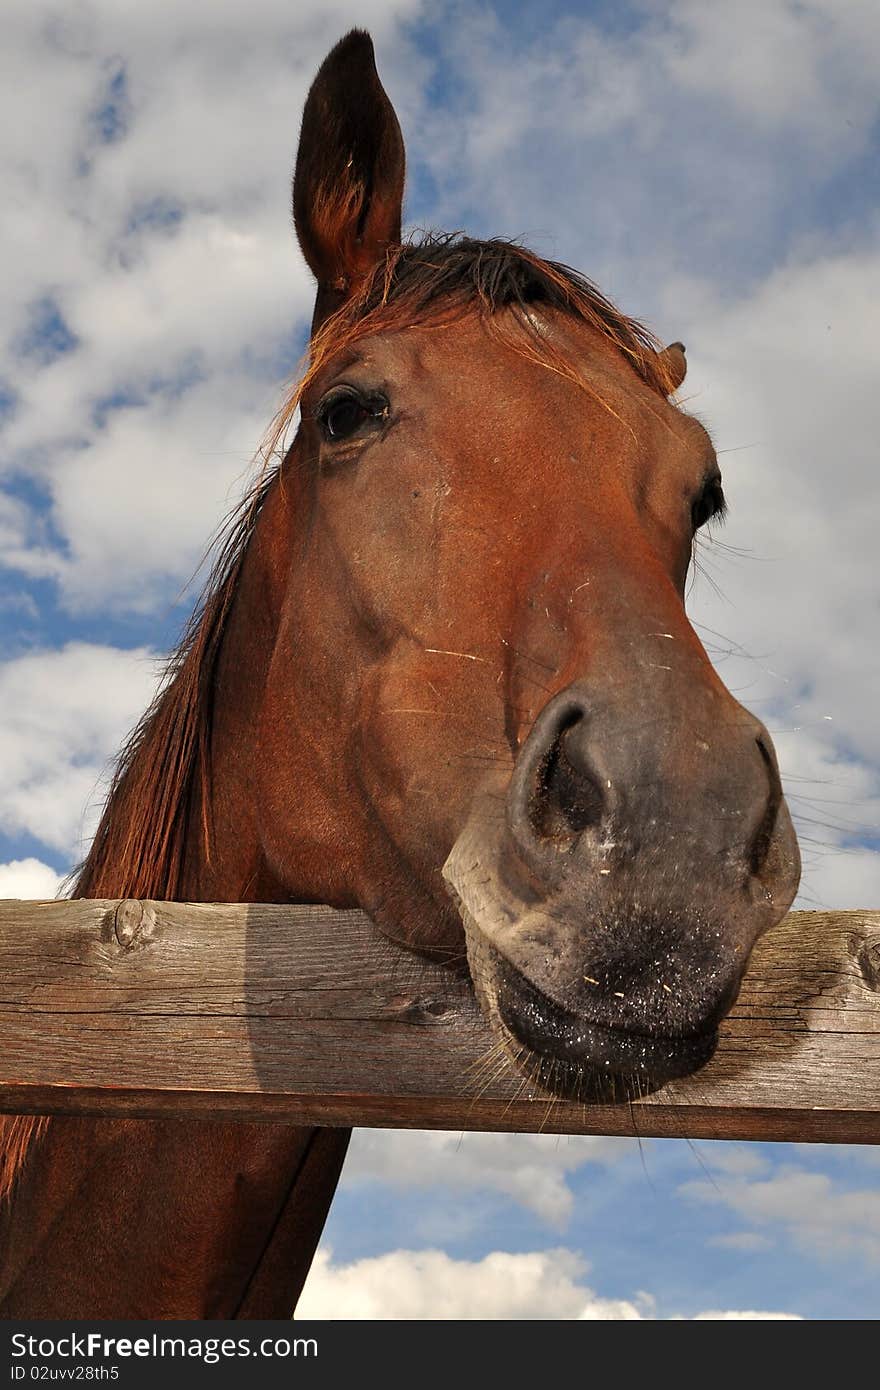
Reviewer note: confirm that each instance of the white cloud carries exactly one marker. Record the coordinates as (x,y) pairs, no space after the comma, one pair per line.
(169,253)
(29,878)
(746,1316)
(692,140)
(841,879)
(807,64)
(63,715)
(815,1213)
(428,1284)
(531,1169)
(138,517)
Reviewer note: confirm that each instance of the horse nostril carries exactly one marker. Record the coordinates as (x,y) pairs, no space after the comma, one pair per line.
(567,798)
(554,794)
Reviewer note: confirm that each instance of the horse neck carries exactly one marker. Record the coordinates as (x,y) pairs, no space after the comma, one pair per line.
(182,1218)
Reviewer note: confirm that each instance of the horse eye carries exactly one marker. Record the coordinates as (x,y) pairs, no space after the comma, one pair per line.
(342,416)
(342,413)
(709,504)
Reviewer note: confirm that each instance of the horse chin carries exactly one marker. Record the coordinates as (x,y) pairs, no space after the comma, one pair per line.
(570,1056)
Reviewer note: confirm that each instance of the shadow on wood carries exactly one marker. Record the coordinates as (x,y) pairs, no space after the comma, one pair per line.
(304,1014)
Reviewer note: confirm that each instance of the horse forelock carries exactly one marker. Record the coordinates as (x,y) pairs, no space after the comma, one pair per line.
(443,275)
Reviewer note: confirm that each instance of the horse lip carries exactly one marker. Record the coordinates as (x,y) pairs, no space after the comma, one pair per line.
(616,1065)
(593,1052)
(675,1045)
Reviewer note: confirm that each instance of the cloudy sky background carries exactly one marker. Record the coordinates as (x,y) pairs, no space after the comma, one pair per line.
(713,168)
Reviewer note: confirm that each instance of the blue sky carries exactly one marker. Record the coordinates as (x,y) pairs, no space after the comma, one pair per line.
(715,171)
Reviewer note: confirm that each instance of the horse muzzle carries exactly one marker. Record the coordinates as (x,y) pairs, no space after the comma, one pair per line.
(612,892)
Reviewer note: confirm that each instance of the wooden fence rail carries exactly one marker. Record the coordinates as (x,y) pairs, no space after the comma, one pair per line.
(306,1014)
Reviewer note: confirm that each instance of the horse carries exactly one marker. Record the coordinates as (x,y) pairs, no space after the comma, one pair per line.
(442,671)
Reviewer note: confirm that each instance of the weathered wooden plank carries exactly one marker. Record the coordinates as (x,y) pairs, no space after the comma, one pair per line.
(306,1014)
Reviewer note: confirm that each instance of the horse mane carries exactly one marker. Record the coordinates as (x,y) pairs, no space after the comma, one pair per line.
(162,775)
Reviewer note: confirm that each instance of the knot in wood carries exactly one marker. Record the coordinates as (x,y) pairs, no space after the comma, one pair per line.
(128,922)
(869,964)
(407,1009)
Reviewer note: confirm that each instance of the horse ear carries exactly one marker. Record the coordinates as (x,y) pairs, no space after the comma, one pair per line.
(348,183)
(675,363)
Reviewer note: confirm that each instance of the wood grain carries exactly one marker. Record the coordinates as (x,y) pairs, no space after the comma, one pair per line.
(310,1015)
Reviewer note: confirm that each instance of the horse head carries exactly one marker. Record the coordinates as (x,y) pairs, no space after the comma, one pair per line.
(487,719)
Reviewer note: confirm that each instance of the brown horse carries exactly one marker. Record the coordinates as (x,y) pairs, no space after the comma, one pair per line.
(448,630)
